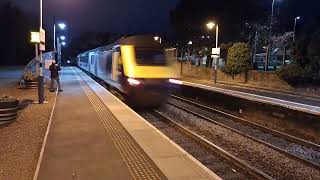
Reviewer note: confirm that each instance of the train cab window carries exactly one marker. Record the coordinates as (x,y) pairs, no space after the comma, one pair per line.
(155,57)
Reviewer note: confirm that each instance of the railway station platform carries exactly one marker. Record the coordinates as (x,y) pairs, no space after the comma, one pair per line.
(290,101)
(93,135)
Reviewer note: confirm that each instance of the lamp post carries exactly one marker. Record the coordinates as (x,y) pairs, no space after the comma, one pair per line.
(294,28)
(210,26)
(271,20)
(157,39)
(41,78)
(62,26)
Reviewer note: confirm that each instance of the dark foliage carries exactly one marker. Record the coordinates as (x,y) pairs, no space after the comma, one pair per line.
(306,65)
(88,41)
(238,59)
(16,25)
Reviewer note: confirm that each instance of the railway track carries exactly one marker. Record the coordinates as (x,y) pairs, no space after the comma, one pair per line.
(212,156)
(301,150)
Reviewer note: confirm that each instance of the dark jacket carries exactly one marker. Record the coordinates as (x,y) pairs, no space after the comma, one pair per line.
(54,69)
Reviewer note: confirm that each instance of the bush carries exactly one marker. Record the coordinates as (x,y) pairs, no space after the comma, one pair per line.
(29,76)
(238,59)
(7,99)
(294,73)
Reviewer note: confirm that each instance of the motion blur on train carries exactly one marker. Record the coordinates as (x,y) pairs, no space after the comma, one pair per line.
(137,68)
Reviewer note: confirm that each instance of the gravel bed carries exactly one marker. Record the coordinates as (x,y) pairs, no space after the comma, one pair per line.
(214,162)
(21,140)
(291,147)
(299,126)
(266,159)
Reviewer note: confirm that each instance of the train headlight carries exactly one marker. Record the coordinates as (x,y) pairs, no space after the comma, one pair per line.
(133,81)
(174,81)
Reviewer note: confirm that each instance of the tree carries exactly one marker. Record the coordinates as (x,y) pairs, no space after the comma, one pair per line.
(238,59)
(314,55)
(306,64)
(224,49)
(16,25)
(90,40)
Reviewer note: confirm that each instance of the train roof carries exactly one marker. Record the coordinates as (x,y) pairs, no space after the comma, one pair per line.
(136,40)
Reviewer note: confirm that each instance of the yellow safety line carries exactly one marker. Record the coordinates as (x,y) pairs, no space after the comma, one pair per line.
(137,165)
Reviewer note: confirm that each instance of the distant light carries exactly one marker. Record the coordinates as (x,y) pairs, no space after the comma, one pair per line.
(298,17)
(210,25)
(35,37)
(156,38)
(190,42)
(208,37)
(133,81)
(202,37)
(62,26)
(68,61)
(63,43)
(174,81)
(62,38)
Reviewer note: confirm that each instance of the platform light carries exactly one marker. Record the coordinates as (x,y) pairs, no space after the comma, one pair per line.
(156,38)
(174,81)
(210,25)
(62,26)
(133,81)
(62,38)
(64,43)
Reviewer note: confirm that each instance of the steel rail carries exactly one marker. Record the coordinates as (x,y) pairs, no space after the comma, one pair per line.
(302,160)
(289,137)
(238,162)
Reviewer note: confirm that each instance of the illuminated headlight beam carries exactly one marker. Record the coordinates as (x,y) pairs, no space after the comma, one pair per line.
(133,81)
(174,81)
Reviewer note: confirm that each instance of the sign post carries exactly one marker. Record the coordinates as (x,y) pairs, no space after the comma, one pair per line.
(215,56)
(35,38)
(41,77)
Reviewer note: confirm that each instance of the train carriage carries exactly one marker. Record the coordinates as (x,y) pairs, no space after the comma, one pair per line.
(137,67)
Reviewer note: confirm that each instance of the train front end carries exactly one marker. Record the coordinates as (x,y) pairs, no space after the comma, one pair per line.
(148,71)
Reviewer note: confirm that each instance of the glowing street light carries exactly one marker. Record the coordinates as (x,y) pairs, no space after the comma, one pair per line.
(294,28)
(157,39)
(62,26)
(272,15)
(56,39)
(62,38)
(210,26)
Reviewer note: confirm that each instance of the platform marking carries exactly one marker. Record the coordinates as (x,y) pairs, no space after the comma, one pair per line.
(134,159)
(36,174)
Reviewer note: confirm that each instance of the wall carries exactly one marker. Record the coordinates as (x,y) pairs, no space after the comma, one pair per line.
(255,79)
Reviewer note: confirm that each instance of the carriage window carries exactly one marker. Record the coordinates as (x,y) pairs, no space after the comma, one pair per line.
(150,57)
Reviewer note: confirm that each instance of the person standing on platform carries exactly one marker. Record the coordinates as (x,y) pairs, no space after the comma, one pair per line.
(54,72)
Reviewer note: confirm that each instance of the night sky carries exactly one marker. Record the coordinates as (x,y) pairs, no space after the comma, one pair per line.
(124,16)
(121,16)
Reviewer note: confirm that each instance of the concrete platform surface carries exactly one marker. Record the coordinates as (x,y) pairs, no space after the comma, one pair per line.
(297,103)
(94,135)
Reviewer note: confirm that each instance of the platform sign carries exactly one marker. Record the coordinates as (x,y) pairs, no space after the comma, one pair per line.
(215,52)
